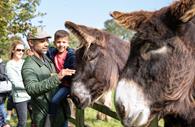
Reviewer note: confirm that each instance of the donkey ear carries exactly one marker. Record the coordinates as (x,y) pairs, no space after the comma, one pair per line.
(131,20)
(183,10)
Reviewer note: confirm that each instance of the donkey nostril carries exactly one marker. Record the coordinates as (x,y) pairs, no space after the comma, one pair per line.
(85,103)
(75,100)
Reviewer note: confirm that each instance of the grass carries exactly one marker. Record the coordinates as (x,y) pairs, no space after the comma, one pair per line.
(13,121)
(90,119)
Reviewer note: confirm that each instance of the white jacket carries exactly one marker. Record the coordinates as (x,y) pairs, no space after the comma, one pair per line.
(13,70)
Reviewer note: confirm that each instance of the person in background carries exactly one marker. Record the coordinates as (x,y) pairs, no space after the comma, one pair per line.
(10,107)
(63,57)
(3,96)
(41,80)
(19,94)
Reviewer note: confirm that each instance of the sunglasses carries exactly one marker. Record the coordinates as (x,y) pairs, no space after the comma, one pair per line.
(19,50)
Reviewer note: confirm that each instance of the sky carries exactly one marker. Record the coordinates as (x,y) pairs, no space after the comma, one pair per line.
(91,13)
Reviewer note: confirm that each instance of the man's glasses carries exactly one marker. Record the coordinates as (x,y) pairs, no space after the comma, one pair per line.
(19,50)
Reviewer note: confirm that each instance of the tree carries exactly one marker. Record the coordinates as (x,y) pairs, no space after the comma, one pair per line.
(74,42)
(15,19)
(110,26)
(121,32)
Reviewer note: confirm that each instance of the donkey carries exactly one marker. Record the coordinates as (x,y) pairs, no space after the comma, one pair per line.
(100,58)
(159,77)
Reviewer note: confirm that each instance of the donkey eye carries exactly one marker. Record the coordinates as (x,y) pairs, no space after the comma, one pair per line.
(92,53)
(146,48)
(92,56)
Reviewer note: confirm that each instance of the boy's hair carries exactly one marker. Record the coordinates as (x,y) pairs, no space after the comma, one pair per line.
(60,34)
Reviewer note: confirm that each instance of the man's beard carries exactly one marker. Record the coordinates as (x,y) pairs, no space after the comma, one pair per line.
(45,52)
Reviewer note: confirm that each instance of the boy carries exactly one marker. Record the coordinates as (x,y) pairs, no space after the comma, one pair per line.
(63,58)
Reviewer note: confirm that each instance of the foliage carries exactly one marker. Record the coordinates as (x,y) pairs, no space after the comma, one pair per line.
(15,19)
(110,26)
(114,28)
(74,42)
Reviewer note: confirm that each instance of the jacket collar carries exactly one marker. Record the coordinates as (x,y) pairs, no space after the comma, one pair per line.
(40,62)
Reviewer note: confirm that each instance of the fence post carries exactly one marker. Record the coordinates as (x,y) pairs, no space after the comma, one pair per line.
(79,117)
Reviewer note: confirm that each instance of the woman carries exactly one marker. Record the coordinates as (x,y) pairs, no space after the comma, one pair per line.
(19,94)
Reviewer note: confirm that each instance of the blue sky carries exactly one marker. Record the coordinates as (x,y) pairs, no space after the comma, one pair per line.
(89,12)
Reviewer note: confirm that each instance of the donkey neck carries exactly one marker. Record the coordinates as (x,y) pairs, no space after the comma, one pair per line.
(119,52)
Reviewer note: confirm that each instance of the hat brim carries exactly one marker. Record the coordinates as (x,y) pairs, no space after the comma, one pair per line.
(37,38)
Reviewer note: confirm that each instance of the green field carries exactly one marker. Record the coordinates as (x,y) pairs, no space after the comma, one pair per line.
(90,120)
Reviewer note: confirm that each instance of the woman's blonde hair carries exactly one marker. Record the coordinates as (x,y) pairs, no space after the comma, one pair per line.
(13,47)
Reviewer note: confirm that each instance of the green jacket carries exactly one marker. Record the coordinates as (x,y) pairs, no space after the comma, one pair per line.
(40,85)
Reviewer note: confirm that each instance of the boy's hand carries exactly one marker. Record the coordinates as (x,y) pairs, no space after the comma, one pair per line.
(66,72)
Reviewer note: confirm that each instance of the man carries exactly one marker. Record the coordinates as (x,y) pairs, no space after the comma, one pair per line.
(41,79)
